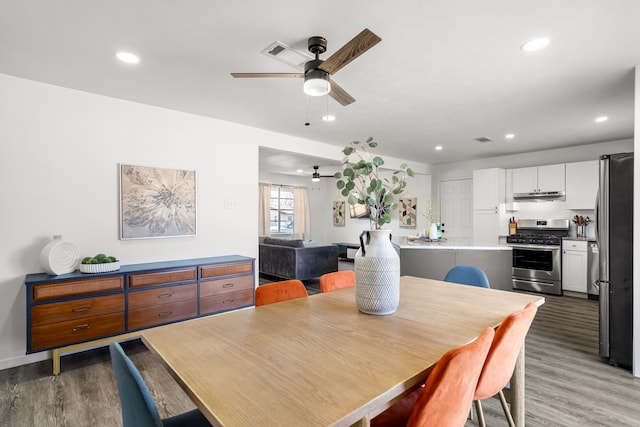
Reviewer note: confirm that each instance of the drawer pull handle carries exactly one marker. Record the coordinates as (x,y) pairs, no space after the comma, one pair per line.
(81,308)
(81,327)
(165,295)
(227,301)
(228,285)
(165,314)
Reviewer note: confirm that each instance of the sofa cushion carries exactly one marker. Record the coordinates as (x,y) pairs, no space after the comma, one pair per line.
(297,243)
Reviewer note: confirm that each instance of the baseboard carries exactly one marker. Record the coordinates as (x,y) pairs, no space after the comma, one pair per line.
(13,362)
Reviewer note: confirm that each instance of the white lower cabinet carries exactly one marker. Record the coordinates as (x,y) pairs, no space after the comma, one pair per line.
(574,266)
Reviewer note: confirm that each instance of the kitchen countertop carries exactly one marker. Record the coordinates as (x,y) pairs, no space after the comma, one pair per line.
(404,243)
(580,239)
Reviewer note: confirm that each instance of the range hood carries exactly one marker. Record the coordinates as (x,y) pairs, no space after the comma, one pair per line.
(540,196)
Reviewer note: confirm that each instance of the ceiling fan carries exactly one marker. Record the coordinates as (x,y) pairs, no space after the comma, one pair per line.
(315,177)
(317,72)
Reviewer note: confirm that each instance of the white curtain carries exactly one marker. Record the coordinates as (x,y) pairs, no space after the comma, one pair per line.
(301,214)
(264,221)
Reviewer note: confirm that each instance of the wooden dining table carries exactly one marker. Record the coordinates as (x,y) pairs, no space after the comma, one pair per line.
(318,361)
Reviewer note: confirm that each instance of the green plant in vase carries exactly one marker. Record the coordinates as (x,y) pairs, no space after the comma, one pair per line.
(361,183)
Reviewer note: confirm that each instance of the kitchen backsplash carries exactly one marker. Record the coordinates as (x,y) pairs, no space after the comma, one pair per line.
(553,210)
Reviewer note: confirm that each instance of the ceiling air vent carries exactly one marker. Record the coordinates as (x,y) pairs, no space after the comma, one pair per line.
(283,53)
(483,139)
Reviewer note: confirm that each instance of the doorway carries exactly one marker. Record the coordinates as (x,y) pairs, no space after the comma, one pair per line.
(456,208)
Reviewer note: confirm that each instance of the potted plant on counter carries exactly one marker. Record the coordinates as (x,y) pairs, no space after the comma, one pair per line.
(377,264)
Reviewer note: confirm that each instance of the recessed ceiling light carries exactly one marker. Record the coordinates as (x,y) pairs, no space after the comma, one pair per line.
(535,44)
(510,136)
(127,57)
(299,171)
(328,118)
(438,147)
(601,119)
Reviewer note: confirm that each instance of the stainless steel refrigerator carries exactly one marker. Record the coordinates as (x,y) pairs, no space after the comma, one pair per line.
(614,217)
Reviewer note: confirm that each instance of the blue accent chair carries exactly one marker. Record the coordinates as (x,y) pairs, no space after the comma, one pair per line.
(138,407)
(467,275)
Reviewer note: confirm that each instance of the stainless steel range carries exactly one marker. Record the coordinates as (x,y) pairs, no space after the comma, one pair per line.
(536,255)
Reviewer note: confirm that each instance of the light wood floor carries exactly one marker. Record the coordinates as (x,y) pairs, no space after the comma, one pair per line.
(567,385)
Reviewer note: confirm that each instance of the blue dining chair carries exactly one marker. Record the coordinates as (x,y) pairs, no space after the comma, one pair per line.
(138,407)
(467,275)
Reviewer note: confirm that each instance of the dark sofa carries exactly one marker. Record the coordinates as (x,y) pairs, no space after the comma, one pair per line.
(291,259)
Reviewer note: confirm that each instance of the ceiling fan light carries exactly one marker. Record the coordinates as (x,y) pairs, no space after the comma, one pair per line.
(316,83)
(315,177)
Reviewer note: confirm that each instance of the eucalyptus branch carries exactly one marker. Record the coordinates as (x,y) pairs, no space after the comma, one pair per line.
(360,182)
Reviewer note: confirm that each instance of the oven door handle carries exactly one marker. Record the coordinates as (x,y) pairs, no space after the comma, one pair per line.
(547,248)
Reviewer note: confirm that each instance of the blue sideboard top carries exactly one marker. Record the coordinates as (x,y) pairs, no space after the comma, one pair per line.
(36,278)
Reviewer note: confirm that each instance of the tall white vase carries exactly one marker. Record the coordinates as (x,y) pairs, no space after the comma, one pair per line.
(433,231)
(377,267)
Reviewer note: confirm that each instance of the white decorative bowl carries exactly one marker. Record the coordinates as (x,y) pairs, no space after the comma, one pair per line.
(100,268)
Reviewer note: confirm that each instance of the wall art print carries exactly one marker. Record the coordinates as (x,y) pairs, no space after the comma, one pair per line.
(408,212)
(339,213)
(157,202)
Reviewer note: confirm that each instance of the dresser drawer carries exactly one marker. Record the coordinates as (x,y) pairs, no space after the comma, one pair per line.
(220,286)
(226,269)
(165,295)
(226,301)
(73,331)
(158,314)
(78,309)
(48,291)
(162,277)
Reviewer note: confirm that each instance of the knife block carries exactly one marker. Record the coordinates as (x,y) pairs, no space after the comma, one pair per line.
(513,228)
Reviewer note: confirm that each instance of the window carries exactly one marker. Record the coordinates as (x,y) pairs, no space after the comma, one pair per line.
(281,210)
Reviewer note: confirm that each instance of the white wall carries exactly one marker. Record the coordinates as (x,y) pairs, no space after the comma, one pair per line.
(59,156)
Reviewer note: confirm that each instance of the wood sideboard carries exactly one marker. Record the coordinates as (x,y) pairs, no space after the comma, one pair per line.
(76,311)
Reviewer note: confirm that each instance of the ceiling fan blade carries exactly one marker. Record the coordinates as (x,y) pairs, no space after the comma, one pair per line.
(340,94)
(260,75)
(350,51)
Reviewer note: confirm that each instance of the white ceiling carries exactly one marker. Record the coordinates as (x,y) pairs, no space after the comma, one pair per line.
(446,72)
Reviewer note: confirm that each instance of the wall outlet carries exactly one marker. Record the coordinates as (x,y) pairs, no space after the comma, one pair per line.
(230,204)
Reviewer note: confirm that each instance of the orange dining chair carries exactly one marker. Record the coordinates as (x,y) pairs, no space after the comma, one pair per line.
(501,360)
(280,291)
(337,280)
(445,399)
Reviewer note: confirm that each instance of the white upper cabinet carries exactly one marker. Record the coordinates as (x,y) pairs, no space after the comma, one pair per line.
(539,179)
(525,180)
(582,184)
(551,178)
(488,188)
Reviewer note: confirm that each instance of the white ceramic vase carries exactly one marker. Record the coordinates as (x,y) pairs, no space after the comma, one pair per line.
(433,231)
(59,257)
(377,267)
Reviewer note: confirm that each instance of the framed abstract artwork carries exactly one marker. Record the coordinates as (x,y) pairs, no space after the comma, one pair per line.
(157,202)
(407,212)
(339,213)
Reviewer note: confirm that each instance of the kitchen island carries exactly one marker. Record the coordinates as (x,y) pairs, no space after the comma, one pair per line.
(432,260)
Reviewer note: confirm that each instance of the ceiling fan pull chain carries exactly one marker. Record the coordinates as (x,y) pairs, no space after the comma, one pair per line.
(306,123)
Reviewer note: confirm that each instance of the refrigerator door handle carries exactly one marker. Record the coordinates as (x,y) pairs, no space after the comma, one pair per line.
(597,215)
(604,318)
